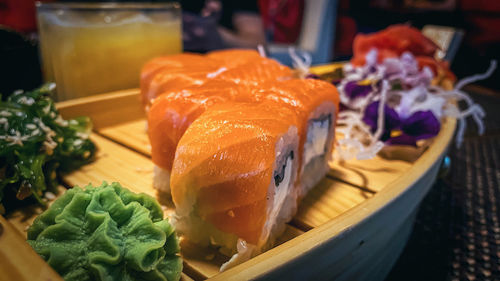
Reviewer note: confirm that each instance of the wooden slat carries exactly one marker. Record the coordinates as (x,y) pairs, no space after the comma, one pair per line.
(325,68)
(372,174)
(115,163)
(382,170)
(185,277)
(18,260)
(131,134)
(326,201)
(201,262)
(105,110)
(205,262)
(21,219)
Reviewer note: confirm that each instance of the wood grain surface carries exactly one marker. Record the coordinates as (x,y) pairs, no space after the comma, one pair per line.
(18,260)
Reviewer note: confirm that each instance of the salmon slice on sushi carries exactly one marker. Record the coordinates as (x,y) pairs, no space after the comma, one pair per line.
(231,58)
(256,72)
(172,113)
(176,79)
(233,178)
(250,73)
(176,72)
(248,66)
(172,64)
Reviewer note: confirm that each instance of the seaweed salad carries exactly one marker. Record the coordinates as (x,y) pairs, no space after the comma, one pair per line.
(36,144)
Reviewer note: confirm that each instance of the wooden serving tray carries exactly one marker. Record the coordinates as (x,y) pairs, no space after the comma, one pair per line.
(352,226)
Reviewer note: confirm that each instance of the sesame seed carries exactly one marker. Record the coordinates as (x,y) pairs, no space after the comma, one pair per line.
(16,139)
(60,121)
(26,101)
(31,126)
(82,135)
(49,195)
(46,109)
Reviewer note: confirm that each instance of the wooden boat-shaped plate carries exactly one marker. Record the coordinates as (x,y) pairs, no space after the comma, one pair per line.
(352,226)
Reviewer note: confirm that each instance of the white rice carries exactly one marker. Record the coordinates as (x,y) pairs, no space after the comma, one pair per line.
(161,180)
(317,151)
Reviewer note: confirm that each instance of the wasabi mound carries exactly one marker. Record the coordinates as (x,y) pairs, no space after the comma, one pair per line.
(107,233)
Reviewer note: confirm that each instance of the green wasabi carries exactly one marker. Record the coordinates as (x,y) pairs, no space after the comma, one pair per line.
(107,233)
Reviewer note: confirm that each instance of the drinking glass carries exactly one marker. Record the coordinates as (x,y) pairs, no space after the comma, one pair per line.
(92,48)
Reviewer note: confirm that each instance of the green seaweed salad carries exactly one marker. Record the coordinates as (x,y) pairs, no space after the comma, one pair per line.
(36,144)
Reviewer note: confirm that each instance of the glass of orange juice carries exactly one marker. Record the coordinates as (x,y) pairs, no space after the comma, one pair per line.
(93,48)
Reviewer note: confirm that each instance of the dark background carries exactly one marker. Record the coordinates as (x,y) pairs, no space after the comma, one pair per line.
(457,232)
(479,19)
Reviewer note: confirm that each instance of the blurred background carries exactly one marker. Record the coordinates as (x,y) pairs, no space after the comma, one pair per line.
(323,28)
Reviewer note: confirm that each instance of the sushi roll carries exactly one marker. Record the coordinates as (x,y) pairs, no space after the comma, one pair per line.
(172,113)
(316,102)
(233,177)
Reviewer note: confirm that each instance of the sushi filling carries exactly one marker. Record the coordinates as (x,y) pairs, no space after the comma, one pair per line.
(161,180)
(283,182)
(279,175)
(317,136)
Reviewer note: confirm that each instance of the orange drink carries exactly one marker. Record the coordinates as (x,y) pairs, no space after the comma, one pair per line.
(96,48)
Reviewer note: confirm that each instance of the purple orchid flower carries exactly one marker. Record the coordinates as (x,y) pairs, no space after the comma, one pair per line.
(391,119)
(400,130)
(353,89)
